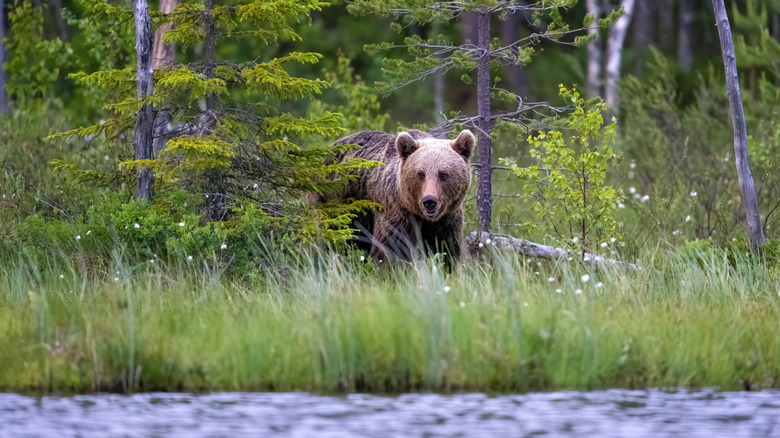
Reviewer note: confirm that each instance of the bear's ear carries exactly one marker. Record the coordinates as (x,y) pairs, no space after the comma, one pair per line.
(464,144)
(405,144)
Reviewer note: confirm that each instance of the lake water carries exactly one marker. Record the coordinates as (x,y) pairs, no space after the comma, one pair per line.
(613,413)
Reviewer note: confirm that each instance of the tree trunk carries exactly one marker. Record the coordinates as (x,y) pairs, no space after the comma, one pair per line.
(617,35)
(210,43)
(3,104)
(144,124)
(518,79)
(665,14)
(484,185)
(593,85)
(745,176)
(685,36)
(163,55)
(468,28)
(531,249)
(438,86)
(644,27)
(55,6)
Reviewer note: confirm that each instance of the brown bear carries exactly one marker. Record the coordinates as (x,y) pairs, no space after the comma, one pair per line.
(421,187)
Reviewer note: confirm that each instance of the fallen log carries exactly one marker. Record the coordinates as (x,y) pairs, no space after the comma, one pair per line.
(531,249)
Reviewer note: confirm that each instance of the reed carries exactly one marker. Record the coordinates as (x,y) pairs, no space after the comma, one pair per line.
(327,323)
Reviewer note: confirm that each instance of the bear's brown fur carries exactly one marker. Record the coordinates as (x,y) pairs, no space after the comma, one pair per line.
(421,186)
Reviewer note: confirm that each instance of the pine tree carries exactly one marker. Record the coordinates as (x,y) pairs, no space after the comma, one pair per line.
(436,55)
(230,143)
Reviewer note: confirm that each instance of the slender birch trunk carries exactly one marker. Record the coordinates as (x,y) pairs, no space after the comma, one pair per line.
(593,85)
(617,35)
(745,176)
(484,184)
(144,124)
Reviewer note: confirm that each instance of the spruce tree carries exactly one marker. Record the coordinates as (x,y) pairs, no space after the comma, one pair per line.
(229,142)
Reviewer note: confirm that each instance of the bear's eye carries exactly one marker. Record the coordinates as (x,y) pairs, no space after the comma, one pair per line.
(421,175)
(443,176)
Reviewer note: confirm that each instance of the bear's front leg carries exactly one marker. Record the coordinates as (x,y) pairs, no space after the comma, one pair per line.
(393,240)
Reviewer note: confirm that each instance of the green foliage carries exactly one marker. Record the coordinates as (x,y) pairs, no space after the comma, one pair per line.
(33,64)
(569,186)
(360,107)
(243,149)
(165,231)
(683,154)
(754,47)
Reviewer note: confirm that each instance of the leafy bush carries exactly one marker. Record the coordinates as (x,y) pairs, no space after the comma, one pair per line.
(568,186)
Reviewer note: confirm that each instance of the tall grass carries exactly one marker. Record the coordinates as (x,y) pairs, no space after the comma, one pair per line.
(329,323)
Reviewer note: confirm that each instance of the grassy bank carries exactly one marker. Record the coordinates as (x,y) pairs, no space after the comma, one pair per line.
(328,324)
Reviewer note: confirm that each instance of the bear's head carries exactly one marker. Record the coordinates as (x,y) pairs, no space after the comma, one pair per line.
(434,174)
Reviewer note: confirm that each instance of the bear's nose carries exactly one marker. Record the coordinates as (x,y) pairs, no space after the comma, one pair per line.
(430,202)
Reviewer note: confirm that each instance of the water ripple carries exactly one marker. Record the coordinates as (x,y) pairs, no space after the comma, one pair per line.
(612,413)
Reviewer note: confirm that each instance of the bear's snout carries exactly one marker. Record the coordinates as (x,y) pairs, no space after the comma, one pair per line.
(431,205)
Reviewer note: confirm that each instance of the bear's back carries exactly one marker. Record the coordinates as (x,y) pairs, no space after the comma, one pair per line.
(376,145)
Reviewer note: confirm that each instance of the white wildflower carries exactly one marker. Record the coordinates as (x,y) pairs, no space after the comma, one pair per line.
(434,269)
(631,190)
(637,196)
(462,304)
(675,232)
(585,278)
(137,225)
(89,232)
(645,198)
(151,260)
(693,194)
(189,258)
(575,240)
(558,290)
(604,244)
(688,218)
(599,284)
(62,276)
(224,246)
(481,244)
(551,279)
(525,304)
(536,273)
(446,289)
(362,258)
(621,205)
(632,165)
(487,241)
(116,278)
(538,263)
(181,224)
(78,237)
(578,291)
(612,240)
